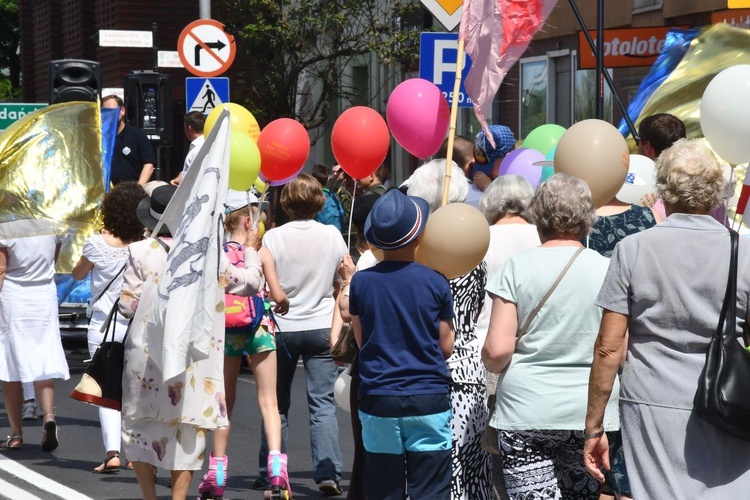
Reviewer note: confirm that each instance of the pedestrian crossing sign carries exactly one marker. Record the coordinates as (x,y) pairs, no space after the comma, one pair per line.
(204,94)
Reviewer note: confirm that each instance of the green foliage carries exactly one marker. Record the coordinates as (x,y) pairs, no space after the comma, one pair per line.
(301,41)
(10,62)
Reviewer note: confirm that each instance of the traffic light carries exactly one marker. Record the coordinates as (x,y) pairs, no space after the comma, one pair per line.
(148,104)
(74,80)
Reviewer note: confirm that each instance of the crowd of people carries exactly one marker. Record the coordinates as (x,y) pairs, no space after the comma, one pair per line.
(562,366)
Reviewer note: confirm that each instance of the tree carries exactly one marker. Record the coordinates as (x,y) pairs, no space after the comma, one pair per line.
(10,61)
(314,40)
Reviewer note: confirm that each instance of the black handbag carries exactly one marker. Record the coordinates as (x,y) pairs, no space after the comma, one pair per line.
(723,395)
(101,384)
(345,349)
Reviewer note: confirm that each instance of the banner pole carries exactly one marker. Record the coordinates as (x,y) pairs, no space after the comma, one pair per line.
(453,119)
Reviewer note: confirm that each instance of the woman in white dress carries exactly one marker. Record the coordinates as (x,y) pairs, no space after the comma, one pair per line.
(165,421)
(30,345)
(105,255)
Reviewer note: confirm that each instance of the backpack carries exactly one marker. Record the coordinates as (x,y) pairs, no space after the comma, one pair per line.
(242,312)
(333,211)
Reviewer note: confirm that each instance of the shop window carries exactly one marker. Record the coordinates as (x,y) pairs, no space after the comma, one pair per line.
(646,5)
(584,97)
(533,94)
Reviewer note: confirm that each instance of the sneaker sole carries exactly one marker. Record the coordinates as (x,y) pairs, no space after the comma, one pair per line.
(50,441)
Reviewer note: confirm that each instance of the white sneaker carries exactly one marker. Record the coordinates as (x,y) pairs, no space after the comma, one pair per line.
(30,411)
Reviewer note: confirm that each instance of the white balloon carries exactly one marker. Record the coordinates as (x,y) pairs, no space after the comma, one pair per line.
(725,114)
(341,390)
(640,183)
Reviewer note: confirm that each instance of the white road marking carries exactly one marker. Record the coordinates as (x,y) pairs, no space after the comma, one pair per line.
(11,491)
(39,481)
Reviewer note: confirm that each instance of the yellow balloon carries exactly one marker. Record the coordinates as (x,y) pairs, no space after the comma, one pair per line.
(244,161)
(261,229)
(240,119)
(260,185)
(455,240)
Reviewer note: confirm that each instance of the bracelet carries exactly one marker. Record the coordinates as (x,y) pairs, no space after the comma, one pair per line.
(592,435)
(343,284)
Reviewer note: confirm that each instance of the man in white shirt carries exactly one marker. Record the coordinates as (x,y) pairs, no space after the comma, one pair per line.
(194,132)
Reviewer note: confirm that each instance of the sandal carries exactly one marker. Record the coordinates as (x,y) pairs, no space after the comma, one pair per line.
(106,468)
(129,465)
(12,443)
(50,439)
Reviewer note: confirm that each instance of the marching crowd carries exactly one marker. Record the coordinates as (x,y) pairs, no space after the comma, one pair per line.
(563,366)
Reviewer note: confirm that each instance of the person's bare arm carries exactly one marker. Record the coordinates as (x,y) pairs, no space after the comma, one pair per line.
(446,337)
(269,271)
(3,265)
(82,268)
(346,271)
(146,173)
(501,335)
(607,355)
(357,325)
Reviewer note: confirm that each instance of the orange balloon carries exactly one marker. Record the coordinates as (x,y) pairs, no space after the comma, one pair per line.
(360,141)
(455,240)
(284,146)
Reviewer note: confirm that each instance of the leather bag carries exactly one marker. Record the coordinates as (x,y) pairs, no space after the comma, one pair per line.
(101,384)
(723,397)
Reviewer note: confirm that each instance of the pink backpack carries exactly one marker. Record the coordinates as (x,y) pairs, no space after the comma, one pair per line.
(241,311)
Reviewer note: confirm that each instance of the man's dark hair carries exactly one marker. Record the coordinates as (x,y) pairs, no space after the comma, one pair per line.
(321,173)
(661,131)
(116,97)
(196,120)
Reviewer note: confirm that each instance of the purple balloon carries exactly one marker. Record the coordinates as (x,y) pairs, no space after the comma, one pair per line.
(521,162)
(282,181)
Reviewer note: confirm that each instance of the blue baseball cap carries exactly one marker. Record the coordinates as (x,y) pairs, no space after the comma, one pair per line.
(505,142)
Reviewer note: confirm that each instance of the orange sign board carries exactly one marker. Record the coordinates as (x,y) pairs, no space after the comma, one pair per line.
(624,47)
(738,4)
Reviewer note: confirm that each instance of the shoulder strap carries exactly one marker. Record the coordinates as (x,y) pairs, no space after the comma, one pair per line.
(728,314)
(101,294)
(544,299)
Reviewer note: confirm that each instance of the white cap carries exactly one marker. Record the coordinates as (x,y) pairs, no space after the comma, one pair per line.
(238,199)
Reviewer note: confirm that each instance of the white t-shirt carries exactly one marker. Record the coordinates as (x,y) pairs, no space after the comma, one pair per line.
(108,262)
(193,150)
(545,386)
(307,255)
(31,260)
(506,240)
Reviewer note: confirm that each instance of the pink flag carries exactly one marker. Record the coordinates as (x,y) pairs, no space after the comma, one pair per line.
(496,33)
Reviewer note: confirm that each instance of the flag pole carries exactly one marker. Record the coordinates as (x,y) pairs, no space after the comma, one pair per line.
(454,118)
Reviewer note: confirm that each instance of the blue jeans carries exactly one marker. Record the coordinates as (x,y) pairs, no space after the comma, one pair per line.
(320,376)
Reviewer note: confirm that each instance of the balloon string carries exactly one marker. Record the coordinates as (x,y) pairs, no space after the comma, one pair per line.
(260,205)
(351,212)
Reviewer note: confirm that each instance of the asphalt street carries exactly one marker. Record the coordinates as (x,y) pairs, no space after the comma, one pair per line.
(31,474)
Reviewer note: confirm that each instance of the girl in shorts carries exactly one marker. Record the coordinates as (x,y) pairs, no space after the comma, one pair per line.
(259,343)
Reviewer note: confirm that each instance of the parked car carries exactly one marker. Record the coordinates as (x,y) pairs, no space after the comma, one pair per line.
(72,301)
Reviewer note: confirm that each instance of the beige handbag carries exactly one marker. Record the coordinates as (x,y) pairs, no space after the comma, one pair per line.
(489,436)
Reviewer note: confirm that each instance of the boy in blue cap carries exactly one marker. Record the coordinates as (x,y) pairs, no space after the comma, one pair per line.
(487,158)
(401,313)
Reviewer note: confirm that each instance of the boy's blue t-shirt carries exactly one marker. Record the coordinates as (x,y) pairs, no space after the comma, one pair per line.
(400,305)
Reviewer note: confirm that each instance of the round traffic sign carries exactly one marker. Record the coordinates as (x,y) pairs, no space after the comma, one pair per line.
(205,49)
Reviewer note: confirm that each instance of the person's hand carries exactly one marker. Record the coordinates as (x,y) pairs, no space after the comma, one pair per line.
(176,181)
(347,268)
(596,456)
(282,306)
(253,240)
(481,180)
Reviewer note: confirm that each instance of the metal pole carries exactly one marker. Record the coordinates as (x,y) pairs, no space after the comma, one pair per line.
(204,9)
(600,60)
(607,77)
(155,48)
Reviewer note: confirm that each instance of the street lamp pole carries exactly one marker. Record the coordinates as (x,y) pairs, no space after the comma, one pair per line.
(204,7)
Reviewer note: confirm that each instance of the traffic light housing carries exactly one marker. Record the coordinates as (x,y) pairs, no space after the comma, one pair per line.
(148,104)
(74,80)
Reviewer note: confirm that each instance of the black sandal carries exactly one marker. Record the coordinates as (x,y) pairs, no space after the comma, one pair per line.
(12,443)
(105,468)
(49,439)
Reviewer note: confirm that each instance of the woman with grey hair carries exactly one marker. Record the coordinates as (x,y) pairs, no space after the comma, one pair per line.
(670,307)
(541,335)
(471,466)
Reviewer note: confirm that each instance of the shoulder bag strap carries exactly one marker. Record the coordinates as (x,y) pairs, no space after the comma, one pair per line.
(728,316)
(544,299)
(101,294)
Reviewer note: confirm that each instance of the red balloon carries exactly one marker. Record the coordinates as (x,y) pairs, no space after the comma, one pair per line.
(360,141)
(284,146)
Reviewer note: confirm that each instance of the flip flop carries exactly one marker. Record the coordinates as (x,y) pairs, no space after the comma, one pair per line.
(105,468)
(50,439)
(12,443)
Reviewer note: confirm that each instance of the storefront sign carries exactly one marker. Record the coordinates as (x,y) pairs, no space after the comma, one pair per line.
(624,47)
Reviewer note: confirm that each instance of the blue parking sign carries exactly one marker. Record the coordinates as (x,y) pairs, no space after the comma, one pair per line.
(438,53)
(204,94)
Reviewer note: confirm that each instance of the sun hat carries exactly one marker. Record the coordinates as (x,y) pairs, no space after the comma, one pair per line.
(504,143)
(238,199)
(151,208)
(396,220)
(151,185)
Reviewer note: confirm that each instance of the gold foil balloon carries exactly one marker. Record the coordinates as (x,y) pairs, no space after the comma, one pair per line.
(595,151)
(455,240)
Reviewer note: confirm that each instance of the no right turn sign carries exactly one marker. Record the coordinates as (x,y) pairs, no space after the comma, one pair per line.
(205,48)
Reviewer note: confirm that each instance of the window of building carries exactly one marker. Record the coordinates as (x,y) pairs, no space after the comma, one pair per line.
(533,98)
(646,5)
(584,97)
